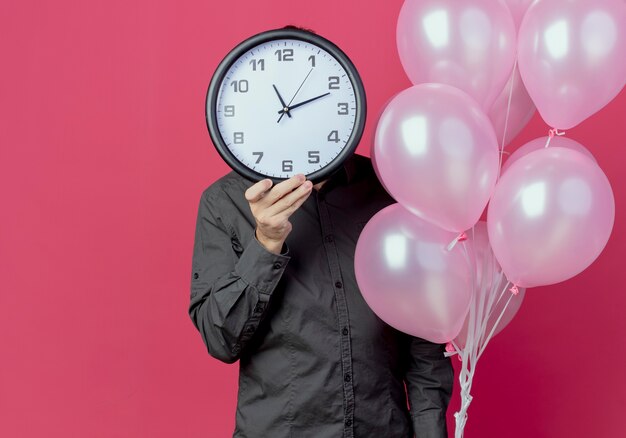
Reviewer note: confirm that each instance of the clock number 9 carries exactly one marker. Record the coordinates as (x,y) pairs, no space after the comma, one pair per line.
(284,54)
(229,111)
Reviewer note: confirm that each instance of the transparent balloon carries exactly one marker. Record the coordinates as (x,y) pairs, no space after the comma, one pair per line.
(469,45)
(409,278)
(437,154)
(572,57)
(550,217)
(512,110)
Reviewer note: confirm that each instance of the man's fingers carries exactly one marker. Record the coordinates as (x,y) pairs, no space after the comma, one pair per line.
(256,191)
(284,215)
(284,187)
(288,200)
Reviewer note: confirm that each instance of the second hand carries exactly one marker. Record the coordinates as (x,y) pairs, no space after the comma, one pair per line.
(294,96)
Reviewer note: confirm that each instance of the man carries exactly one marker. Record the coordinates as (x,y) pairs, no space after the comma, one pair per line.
(273,286)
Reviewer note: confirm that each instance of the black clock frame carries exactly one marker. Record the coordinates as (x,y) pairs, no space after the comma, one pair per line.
(261,38)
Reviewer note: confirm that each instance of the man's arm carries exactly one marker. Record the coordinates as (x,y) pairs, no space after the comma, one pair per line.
(228,295)
(429,380)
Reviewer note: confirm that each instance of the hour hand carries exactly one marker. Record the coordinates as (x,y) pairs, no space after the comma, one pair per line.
(282,102)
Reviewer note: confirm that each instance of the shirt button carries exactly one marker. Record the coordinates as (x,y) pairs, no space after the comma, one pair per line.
(259,308)
(346,377)
(338,284)
(329,238)
(348,422)
(345,331)
(195,275)
(277,265)
(250,329)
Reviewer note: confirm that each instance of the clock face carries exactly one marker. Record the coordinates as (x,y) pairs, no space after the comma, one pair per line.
(285,106)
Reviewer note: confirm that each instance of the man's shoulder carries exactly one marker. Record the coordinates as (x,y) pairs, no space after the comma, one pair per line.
(361,163)
(363,168)
(226,186)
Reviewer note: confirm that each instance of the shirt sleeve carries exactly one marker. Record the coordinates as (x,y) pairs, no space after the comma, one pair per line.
(229,292)
(429,380)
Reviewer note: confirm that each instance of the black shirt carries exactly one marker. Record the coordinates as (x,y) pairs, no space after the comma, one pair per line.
(315,361)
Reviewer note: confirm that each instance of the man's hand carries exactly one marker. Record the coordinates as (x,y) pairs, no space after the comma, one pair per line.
(272,208)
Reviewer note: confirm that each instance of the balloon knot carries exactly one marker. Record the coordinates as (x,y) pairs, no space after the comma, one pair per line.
(450,348)
(460,238)
(553,132)
(514,290)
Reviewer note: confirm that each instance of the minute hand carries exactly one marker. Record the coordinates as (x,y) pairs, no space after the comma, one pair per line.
(303,103)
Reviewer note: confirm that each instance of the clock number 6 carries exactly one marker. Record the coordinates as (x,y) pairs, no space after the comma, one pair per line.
(287,165)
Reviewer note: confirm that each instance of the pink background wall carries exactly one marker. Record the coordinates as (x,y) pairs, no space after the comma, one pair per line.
(103,156)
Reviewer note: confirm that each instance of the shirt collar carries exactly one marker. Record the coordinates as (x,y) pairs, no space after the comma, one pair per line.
(349,168)
(343,176)
(346,172)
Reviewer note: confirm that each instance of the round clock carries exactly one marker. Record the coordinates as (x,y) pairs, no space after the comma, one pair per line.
(283,102)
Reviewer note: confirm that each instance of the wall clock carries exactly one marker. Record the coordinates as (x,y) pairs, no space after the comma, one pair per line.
(285,101)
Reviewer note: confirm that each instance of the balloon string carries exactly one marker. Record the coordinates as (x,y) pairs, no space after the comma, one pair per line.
(467,354)
(506,119)
(496,280)
(480,310)
(551,133)
(494,327)
(486,340)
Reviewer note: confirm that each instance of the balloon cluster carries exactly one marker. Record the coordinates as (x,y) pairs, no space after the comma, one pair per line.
(479,68)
